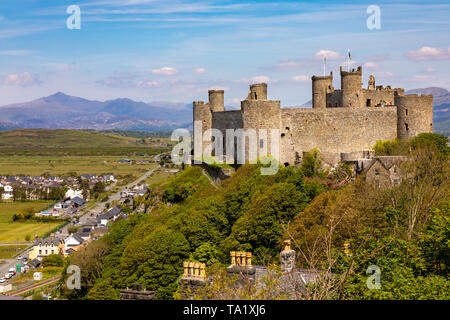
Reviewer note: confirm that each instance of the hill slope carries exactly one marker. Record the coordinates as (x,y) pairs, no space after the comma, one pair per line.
(61,111)
(44,141)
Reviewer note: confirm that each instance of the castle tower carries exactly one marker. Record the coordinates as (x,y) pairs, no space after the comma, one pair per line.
(216,100)
(258,92)
(321,85)
(202,115)
(351,83)
(414,115)
(371,85)
(261,115)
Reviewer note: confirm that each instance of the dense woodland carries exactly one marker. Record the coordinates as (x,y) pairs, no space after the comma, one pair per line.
(336,226)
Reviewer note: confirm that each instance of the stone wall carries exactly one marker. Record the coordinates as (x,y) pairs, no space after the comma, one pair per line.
(335,130)
(347,121)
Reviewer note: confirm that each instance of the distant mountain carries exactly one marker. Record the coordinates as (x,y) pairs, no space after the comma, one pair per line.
(60,111)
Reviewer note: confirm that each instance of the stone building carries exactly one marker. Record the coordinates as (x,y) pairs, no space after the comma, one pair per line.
(383,171)
(342,124)
(241,272)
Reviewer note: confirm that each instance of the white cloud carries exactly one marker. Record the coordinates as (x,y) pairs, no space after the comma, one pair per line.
(370,65)
(199,71)
(330,55)
(385,74)
(167,71)
(428,53)
(256,79)
(424,78)
(301,78)
(23,80)
(429,69)
(218,88)
(16,52)
(234,101)
(344,64)
(147,83)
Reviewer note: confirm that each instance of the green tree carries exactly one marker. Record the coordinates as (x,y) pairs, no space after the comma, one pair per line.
(53,260)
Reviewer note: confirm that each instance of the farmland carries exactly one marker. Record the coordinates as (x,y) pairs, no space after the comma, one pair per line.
(66,165)
(76,142)
(16,232)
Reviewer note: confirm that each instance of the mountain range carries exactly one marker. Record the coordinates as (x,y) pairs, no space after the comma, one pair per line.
(61,111)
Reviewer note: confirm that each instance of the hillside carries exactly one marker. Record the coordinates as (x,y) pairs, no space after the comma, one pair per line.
(61,111)
(185,218)
(45,141)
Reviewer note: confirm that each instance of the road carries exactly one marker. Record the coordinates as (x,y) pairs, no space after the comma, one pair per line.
(98,209)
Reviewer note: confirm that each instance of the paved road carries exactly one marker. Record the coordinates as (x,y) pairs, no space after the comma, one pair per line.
(98,209)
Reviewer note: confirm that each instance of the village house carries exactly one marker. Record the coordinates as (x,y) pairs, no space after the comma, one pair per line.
(383,171)
(45,247)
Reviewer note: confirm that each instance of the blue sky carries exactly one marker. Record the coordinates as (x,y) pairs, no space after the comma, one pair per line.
(152,50)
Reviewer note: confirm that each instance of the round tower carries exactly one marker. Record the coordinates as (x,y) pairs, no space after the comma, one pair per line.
(258,91)
(414,115)
(202,117)
(216,100)
(351,83)
(321,85)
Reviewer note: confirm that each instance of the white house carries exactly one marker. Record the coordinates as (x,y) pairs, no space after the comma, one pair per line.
(72,241)
(73,193)
(109,178)
(8,191)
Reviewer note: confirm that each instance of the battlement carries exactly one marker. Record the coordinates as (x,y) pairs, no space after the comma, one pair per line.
(415,97)
(199,103)
(357,72)
(216,100)
(341,123)
(258,91)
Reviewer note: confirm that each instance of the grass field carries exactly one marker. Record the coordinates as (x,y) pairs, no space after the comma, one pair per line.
(157,177)
(15,232)
(8,252)
(62,165)
(75,142)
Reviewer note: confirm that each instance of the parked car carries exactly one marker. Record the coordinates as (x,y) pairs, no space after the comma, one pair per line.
(19,258)
(2,280)
(8,276)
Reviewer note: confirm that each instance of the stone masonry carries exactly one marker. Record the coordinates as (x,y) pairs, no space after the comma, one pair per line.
(342,124)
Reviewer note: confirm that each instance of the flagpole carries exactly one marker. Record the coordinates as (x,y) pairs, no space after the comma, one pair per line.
(348,63)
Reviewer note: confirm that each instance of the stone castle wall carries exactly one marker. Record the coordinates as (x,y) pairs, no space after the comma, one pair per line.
(342,123)
(334,130)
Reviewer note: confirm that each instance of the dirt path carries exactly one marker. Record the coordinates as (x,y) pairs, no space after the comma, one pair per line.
(209,179)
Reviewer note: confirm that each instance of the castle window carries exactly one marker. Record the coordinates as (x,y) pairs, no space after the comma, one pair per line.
(287,128)
(406,127)
(377,172)
(261,143)
(282,135)
(406,112)
(368,103)
(286,164)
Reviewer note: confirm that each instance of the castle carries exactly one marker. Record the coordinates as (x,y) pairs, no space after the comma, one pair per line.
(343,125)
